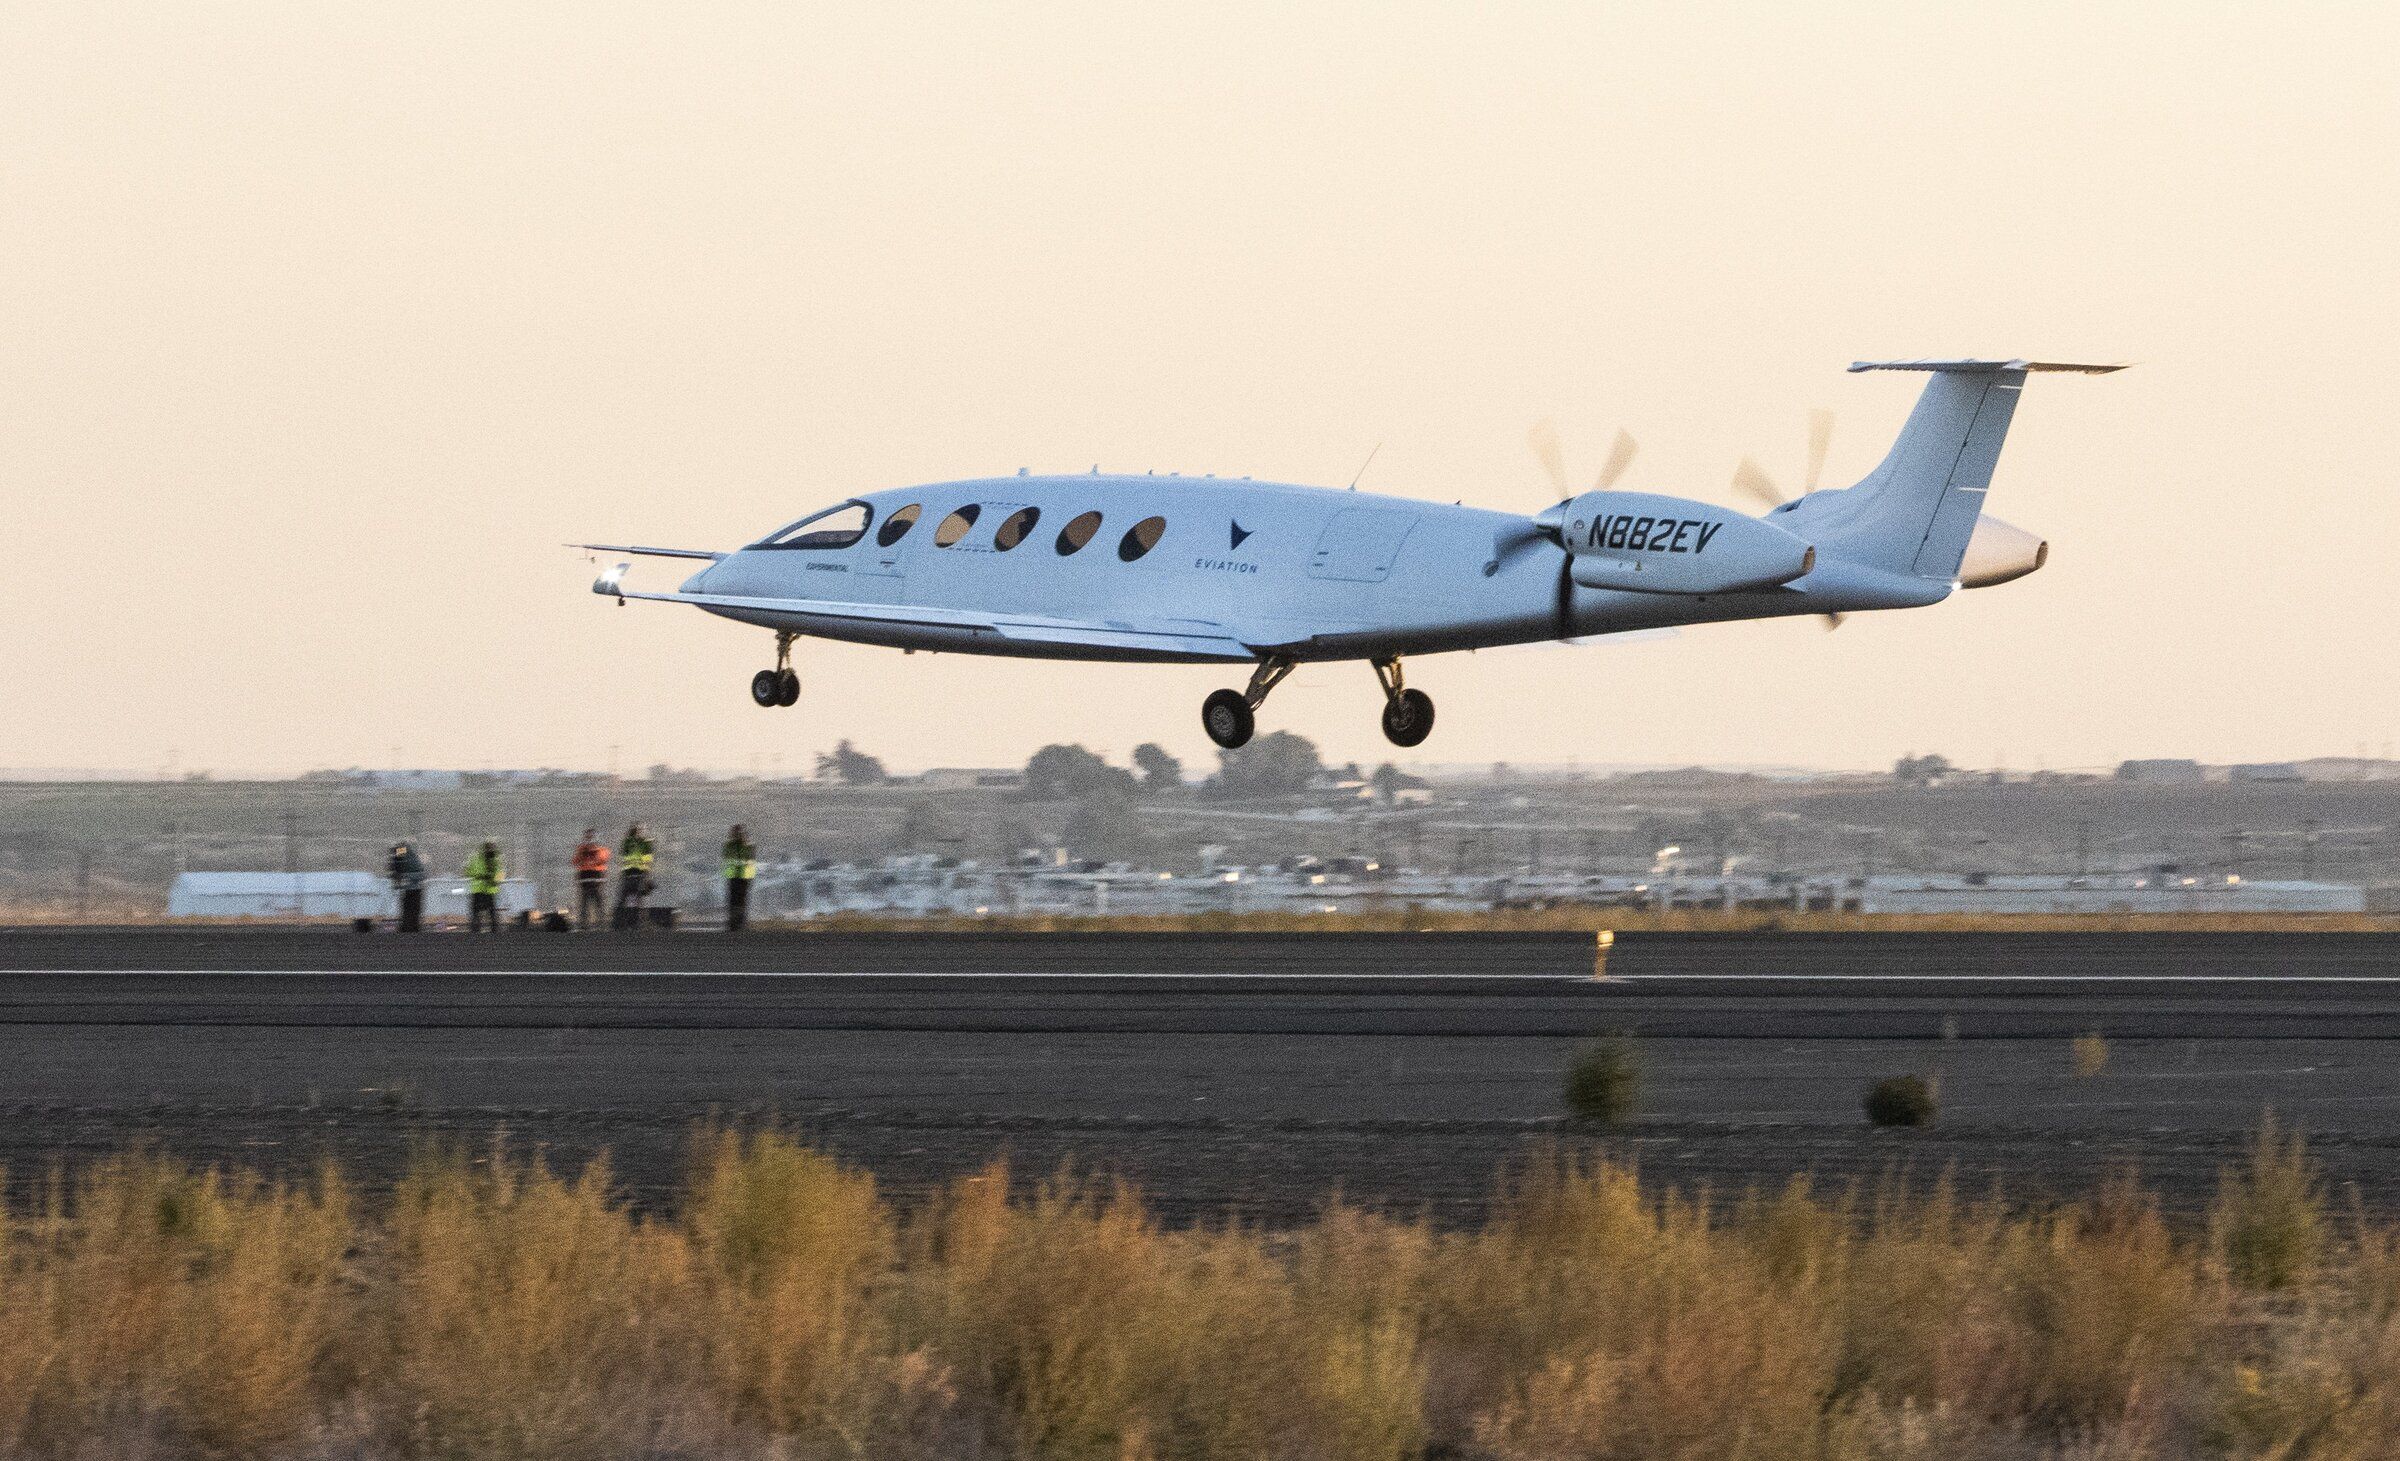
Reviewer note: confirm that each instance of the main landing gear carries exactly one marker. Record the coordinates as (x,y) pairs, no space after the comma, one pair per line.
(1231,716)
(1407,714)
(780,685)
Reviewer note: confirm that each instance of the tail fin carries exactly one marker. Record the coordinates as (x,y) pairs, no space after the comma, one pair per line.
(1915,512)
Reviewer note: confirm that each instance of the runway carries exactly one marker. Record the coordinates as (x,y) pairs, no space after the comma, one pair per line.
(1244,1075)
(1682,986)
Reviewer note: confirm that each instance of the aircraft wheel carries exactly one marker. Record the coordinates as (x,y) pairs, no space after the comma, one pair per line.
(1408,718)
(766,687)
(787,688)
(1227,718)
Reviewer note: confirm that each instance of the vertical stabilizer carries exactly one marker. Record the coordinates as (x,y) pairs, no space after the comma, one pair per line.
(1915,512)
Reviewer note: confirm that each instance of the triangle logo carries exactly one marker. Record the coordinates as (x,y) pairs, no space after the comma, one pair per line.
(1239,533)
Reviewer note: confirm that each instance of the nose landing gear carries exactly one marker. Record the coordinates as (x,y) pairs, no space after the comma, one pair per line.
(1230,716)
(1407,714)
(780,685)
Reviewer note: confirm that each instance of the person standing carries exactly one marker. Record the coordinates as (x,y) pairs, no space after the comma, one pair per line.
(741,870)
(407,872)
(591,879)
(484,876)
(635,857)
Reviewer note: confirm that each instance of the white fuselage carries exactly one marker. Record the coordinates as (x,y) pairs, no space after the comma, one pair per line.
(1317,572)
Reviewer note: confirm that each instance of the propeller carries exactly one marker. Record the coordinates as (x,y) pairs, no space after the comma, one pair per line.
(1752,481)
(1549,524)
(1543,438)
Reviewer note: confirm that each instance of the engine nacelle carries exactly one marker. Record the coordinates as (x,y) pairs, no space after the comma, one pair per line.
(1673,545)
(1998,552)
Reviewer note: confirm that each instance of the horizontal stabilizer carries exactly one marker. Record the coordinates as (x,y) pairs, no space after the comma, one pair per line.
(1982,365)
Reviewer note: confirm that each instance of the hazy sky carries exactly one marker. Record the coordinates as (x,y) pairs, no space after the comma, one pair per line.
(321,326)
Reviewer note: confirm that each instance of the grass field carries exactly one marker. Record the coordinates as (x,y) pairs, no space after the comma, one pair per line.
(490,1308)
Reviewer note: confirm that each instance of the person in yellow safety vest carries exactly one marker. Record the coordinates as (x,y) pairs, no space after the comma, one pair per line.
(484,876)
(635,856)
(741,869)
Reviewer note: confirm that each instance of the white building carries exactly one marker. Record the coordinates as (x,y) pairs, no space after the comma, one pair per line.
(323,895)
(2118,893)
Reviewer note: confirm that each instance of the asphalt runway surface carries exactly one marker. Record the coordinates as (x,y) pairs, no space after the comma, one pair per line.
(1231,1075)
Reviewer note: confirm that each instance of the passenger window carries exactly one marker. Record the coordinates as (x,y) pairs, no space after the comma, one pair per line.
(896,526)
(954,527)
(1077,533)
(1141,538)
(1013,530)
(835,527)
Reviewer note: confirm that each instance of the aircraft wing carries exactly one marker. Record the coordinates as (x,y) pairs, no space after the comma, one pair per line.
(1199,638)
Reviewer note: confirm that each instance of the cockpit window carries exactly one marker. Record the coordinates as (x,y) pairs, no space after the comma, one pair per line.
(954,527)
(1141,538)
(835,527)
(896,526)
(1013,529)
(1077,533)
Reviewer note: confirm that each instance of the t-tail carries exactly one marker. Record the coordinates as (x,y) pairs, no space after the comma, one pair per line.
(1917,513)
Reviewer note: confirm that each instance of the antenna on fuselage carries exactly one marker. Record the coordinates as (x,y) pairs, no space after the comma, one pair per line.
(1362,466)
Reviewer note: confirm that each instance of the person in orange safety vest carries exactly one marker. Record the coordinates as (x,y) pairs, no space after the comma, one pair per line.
(591,879)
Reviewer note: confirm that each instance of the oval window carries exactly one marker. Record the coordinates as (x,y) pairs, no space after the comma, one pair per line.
(1077,533)
(896,526)
(1141,538)
(1013,530)
(954,527)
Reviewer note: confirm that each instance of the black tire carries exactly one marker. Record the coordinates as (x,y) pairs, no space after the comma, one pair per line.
(787,688)
(766,687)
(1227,718)
(1408,718)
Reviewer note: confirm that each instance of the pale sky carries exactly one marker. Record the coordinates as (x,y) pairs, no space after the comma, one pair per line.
(321,326)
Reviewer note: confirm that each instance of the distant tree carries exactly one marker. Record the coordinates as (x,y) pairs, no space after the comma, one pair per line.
(850,766)
(1061,773)
(1160,771)
(1276,764)
(1387,781)
(1921,770)
(1107,823)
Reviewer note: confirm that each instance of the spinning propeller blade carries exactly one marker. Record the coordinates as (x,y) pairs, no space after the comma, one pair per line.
(1751,480)
(1543,438)
(1820,439)
(1620,456)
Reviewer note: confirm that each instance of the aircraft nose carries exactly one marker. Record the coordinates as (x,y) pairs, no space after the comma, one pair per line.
(698,582)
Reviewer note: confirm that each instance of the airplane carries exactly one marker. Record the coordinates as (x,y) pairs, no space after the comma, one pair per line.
(1213,570)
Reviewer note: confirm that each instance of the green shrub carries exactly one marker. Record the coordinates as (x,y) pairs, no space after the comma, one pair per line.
(1902,1100)
(1604,1082)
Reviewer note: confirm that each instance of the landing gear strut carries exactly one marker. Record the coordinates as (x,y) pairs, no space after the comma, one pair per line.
(780,685)
(1229,716)
(1407,714)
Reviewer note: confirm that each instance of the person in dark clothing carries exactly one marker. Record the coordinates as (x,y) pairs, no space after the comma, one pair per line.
(741,870)
(484,877)
(407,872)
(591,879)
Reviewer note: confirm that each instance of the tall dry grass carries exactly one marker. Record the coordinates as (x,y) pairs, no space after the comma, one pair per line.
(491,1307)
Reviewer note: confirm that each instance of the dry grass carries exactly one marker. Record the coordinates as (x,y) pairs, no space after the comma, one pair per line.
(491,1308)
